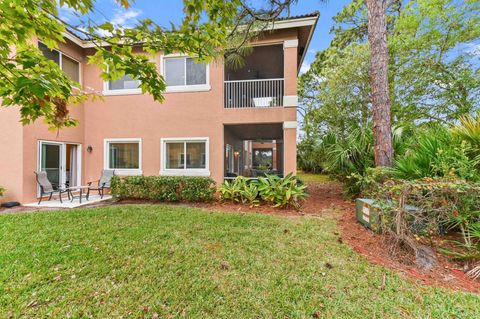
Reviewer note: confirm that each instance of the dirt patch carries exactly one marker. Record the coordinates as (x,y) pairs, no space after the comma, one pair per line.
(25,209)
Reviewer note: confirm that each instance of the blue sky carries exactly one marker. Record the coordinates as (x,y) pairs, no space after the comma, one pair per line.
(165,11)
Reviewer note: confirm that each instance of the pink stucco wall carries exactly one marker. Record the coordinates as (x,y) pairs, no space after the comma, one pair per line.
(192,114)
(11,156)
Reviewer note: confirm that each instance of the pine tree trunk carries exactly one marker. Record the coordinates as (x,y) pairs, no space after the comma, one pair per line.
(377,37)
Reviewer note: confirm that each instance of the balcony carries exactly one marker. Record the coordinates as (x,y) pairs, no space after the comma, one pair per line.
(254,93)
(259,83)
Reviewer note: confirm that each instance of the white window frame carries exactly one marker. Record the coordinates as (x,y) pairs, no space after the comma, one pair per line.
(186,171)
(107,91)
(122,171)
(63,157)
(184,88)
(60,62)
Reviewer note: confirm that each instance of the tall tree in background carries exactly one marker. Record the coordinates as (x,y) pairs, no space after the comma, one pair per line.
(377,37)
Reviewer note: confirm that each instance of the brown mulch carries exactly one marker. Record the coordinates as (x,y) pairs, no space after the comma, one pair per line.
(326,201)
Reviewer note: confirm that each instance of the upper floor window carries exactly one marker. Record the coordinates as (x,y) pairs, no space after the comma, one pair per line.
(125,83)
(70,66)
(184,72)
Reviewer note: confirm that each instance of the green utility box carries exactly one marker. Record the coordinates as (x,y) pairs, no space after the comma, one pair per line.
(368,213)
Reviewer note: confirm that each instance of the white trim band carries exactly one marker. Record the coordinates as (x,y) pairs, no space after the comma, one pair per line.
(290,44)
(290,100)
(289,124)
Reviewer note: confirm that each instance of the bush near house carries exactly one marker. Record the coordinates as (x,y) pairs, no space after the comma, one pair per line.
(280,192)
(164,188)
(437,206)
(2,191)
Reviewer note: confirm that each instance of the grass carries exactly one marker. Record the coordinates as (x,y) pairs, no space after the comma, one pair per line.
(171,261)
(310,177)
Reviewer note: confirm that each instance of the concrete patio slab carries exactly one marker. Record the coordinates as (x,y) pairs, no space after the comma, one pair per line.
(68,204)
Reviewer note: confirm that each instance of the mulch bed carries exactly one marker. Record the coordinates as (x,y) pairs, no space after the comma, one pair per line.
(378,249)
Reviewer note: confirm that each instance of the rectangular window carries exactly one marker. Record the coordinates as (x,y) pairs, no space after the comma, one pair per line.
(185,156)
(67,64)
(125,83)
(175,155)
(183,71)
(123,154)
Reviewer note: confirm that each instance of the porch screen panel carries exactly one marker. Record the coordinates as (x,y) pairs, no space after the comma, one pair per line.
(124,156)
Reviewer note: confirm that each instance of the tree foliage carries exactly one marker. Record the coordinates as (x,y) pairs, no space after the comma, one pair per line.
(209,29)
(434,76)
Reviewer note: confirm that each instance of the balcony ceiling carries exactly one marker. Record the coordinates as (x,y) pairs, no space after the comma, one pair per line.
(271,131)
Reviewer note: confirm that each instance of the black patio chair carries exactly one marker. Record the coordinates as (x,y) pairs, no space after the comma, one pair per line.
(47,188)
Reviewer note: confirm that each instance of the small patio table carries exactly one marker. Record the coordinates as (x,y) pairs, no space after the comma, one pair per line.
(80,189)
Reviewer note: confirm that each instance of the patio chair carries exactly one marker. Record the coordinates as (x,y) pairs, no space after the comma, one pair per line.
(47,188)
(102,183)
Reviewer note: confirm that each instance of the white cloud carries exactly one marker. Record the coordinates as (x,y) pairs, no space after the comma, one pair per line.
(122,18)
(470,48)
(305,67)
(475,49)
(66,13)
(125,18)
(311,51)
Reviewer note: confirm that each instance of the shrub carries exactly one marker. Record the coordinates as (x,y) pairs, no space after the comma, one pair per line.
(272,189)
(310,158)
(240,190)
(164,188)
(440,204)
(282,192)
(365,185)
(2,191)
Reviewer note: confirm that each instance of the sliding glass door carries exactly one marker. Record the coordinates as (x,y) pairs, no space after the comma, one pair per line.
(61,162)
(51,161)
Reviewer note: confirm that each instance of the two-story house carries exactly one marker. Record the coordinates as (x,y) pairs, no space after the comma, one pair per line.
(214,121)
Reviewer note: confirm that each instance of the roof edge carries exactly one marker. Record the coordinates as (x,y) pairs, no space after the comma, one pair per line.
(281,23)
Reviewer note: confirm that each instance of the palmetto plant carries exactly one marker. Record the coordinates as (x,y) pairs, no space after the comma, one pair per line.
(352,153)
(437,151)
(469,131)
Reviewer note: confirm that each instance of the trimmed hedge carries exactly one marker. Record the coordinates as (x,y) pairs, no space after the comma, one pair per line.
(164,188)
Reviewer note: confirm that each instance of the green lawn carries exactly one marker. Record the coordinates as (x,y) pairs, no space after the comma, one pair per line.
(309,177)
(138,261)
